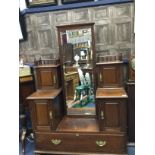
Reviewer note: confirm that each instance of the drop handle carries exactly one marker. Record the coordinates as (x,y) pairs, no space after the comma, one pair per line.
(102,115)
(56,141)
(51,115)
(100,77)
(54,79)
(101,143)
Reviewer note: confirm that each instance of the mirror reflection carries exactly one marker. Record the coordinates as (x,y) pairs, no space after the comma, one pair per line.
(77,56)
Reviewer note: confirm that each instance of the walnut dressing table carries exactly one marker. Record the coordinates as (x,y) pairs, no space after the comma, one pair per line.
(99,130)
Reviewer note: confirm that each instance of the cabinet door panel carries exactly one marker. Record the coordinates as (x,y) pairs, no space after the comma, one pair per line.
(46,78)
(42,114)
(112,114)
(109,76)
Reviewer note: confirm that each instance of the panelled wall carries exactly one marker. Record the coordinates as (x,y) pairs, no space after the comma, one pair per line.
(114,30)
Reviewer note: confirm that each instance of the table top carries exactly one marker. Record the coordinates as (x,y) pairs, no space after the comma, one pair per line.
(111,93)
(44,94)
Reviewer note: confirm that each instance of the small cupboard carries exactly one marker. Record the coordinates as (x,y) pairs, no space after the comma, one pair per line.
(46,109)
(109,74)
(47,76)
(111,106)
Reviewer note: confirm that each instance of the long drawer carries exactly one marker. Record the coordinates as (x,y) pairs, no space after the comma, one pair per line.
(81,142)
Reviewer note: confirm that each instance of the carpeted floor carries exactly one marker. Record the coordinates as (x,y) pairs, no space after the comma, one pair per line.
(30,148)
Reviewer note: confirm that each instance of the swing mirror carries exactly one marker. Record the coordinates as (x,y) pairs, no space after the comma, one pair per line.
(76,43)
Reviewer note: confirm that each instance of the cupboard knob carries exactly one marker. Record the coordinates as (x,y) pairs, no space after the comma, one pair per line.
(101,143)
(56,141)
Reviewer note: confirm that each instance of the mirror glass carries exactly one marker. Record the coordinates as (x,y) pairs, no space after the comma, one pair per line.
(77,60)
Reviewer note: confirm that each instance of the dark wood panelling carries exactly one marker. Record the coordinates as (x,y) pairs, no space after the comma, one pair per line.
(113,28)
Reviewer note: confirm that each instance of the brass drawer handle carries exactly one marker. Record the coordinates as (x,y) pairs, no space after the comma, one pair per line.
(101,143)
(56,141)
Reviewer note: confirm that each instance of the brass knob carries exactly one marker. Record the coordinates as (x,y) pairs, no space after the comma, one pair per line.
(56,141)
(101,143)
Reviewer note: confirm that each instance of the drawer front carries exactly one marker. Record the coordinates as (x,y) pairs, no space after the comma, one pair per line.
(106,143)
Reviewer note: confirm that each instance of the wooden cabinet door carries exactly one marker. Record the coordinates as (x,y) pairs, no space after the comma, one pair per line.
(47,78)
(112,115)
(110,75)
(41,115)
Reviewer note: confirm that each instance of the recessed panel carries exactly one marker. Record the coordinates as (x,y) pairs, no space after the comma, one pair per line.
(109,76)
(112,114)
(80,15)
(123,11)
(101,13)
(102,34)
(45,38)
(43,19)
(123,32)
(46,78)
(42,114)
(61,17)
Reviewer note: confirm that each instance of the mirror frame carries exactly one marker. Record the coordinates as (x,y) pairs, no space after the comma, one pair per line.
(63,28)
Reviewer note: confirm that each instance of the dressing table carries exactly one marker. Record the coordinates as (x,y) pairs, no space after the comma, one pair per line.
(95,122)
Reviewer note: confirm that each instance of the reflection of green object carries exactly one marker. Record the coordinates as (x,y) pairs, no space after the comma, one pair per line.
(83,90)
(77,106)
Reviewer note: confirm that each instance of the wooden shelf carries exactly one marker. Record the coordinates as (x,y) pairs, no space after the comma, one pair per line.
(78,124)
(44,94)
(111,93)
